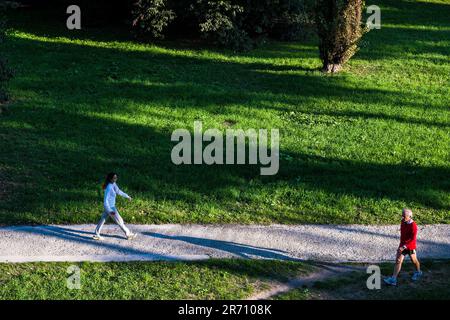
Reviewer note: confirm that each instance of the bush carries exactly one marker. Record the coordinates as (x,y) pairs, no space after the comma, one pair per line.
(151,17)
(220,23)
(278,19)
(235,24)
(243,23)
(339,28)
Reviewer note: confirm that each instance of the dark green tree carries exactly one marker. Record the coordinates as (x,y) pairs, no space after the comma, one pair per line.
(152,17)
(340,28)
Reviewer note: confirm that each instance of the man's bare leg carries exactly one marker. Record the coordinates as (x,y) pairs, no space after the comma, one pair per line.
(398,264)
(415,261)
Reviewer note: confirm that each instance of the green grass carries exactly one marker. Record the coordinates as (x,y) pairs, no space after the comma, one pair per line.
(213,279)
(433,285)
(355,147)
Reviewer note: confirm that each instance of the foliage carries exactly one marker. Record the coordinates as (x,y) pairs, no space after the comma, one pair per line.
(339,28)
(219,21)
(235,24)
(152,17)
(278,19)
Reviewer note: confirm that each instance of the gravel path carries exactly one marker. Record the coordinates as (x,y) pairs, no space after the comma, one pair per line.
(329,243)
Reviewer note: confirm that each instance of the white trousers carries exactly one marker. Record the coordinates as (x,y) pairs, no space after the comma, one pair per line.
(117,219)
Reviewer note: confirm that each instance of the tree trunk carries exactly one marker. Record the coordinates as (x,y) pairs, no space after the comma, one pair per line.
(332,67)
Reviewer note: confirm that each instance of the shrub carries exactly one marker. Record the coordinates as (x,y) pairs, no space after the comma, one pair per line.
(235,24)
(151,17)
(278,19)
(220,22)
(240,24)
(339,28)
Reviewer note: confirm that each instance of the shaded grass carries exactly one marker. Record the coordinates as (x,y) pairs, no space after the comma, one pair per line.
(213,279)
(355,147)
(433,285)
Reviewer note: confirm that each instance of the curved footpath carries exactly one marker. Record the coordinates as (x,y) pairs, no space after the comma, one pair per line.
(328,243)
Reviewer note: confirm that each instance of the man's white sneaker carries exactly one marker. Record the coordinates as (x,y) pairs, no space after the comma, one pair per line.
(132,236)
(98,237)
(416,276)
(390,281)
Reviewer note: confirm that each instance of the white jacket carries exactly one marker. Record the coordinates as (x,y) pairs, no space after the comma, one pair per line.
(111,191)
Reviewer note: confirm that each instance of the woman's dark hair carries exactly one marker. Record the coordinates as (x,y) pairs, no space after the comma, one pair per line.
(108,179)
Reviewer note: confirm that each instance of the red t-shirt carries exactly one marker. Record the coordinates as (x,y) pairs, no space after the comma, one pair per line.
(408,235)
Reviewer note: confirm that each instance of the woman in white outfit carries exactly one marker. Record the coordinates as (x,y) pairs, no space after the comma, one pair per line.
(109,204)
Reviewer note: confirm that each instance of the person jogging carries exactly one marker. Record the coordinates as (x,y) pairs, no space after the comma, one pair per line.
(408,238)
(109,204)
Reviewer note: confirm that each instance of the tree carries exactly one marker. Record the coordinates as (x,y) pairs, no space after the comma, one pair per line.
(339,28)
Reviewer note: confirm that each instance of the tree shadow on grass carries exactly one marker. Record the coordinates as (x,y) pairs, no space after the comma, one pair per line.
(145,162)
(408,27)
(178,80)
(246,84)
(392,40)
(72,132)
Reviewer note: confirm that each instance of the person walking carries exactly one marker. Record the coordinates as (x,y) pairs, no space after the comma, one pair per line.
(110,210)
(408,245)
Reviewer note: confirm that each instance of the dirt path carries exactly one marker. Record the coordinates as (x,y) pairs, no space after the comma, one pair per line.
(326,243)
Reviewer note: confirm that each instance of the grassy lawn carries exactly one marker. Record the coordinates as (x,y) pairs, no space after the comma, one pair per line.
(433,285)
(355,147)
(213,279)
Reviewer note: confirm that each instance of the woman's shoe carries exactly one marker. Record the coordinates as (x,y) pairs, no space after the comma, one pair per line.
(98,237)
(132,236)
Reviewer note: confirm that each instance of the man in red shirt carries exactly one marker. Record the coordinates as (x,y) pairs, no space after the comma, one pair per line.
(408,237)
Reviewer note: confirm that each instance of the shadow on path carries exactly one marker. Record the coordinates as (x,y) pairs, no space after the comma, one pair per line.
(79,233)
(71,235)
(241,250)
